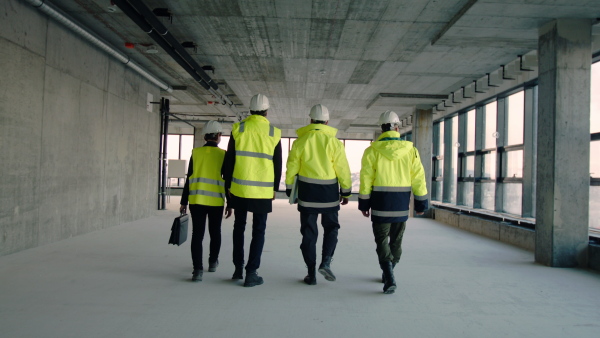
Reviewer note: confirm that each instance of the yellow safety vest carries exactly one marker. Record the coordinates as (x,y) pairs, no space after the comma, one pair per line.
(206,185)
(255,142)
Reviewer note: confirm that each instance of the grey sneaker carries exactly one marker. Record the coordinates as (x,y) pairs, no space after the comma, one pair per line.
(197,275)
(212,267)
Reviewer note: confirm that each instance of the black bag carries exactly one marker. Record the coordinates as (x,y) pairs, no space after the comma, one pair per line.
(179,230)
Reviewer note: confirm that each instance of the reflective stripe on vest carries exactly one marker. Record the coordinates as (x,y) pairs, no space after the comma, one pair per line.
(364,197)
(389,213)
(318,205)
(254,154)
(420,198)
(252,183)
(393,189)
(317,181)
(207,193)
(207,180)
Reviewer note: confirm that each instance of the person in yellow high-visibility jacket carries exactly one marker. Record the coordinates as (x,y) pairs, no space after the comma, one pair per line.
(390,170)
(205,191)
(252,170)
(318,159)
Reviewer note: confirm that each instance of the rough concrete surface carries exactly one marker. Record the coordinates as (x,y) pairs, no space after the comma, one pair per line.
(126,281)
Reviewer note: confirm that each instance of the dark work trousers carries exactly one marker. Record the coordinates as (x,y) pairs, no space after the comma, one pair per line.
(310,233)
(215,216)
(259,224)
(388,237)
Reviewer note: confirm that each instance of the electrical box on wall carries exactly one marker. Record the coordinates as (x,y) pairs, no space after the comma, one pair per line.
(149,100)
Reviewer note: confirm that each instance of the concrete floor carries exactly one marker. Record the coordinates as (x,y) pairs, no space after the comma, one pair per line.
(127,282)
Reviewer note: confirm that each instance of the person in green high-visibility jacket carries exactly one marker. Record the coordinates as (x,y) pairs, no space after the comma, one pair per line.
(318,162)
(205,191)
(390,170)
(252,170)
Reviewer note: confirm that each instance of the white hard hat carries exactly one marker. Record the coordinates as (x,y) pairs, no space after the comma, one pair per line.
(389,117)
(212,127)
(319,113)
(259,102)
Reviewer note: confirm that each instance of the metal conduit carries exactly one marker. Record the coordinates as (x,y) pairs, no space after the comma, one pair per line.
(61,17)
(147,21)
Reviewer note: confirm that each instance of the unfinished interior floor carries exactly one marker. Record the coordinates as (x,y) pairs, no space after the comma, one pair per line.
(126,281)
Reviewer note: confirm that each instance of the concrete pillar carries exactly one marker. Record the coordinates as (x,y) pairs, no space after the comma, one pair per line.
(529,151)
(423,141)
(563,143)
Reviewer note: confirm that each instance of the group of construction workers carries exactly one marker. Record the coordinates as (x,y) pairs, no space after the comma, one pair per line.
(246,177)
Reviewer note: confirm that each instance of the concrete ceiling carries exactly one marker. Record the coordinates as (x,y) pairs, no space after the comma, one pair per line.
(357,57)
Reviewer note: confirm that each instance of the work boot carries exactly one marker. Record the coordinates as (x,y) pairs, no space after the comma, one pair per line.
(390,283)
(212,267)
(383,275)
(252,279)
(239,273)
(197,275)
(311,279)
(325,270)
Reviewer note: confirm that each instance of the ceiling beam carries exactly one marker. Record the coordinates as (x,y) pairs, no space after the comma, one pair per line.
(454,19)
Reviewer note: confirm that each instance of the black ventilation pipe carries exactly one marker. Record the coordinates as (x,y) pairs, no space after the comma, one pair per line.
(164,32)
(160,40)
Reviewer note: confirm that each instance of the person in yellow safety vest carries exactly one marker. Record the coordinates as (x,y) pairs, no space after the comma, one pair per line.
(205,191)
(252,170)
(318,159)
(391,169)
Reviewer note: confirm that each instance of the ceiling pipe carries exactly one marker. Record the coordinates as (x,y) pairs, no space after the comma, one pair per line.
(147,21)
(159,28)
(58,15)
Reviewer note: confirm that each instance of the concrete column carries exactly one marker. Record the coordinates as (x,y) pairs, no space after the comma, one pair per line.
(529,151)
(502,129)
(479,144)
(423,141)
(563,143)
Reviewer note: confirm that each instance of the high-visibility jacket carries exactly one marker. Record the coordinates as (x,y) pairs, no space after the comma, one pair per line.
(255,142)
(206,185)
(319,160)
(390,170)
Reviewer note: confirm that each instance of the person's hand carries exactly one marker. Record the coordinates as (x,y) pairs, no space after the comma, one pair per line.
(228,212)
(288,192)
(420,213)
(344,200)
(182,209)
(274,193)
(365,213)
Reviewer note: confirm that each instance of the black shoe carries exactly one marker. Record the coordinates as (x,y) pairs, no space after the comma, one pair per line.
(239,273)
(311,279)
(197,275)
(325,270)
(212,267)
(383,275)
(390,283)
(252,279)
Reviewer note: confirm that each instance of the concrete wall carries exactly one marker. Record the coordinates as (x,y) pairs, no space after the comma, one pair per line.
(78,149)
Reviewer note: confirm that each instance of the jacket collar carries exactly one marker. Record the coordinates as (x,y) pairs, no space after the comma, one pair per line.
(392,134)
(317,127)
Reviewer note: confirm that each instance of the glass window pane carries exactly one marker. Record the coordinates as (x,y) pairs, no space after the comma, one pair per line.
(467,190)
(470,169)
(172,147)
(488,196)
(354,152)
(489,165)
(514,163)
(512,198)
(224,142)
(436,190)
(516,110)
(595,207)
(285,146)
(595,159)
(491,111)
(187,144)
(595,99)
(471,130)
